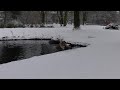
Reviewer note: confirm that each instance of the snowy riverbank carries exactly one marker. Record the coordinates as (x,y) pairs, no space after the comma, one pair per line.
(101,59)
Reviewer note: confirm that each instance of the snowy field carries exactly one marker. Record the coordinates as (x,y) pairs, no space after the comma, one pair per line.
(101,59)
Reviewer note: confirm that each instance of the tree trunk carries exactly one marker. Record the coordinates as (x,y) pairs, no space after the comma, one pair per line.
(5,18)
(61,18)
(58,16)
(65,18)
(46,18)
(84,17)
(43,18)
(76,20)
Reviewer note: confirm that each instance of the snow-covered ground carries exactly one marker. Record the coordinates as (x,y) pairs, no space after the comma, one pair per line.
(101,59)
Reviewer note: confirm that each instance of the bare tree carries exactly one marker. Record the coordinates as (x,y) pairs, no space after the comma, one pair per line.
(62,16)
(101,17)
(65,18)
(5,18)
(15,14)
(84,18)
(76,20)
(43,18)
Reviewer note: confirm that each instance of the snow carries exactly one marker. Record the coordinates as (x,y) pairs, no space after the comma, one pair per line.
(101,59)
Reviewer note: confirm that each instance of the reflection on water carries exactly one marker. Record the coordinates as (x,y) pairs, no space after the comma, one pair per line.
(17,50)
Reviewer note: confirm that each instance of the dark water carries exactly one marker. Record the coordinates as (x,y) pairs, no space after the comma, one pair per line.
(17,50)
(23,49)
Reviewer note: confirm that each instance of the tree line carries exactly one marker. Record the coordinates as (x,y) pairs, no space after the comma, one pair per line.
(61,17)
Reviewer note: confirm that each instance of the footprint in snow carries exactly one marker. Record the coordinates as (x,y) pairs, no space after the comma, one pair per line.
(91,37)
